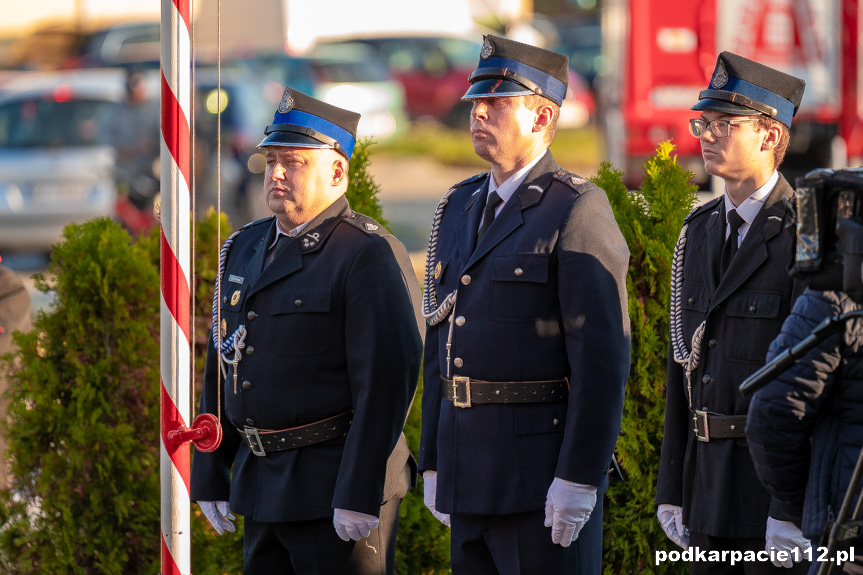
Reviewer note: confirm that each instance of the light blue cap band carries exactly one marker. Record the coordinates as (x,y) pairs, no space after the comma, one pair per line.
(318,124)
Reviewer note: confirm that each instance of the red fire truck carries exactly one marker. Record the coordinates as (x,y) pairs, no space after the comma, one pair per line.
(660,54)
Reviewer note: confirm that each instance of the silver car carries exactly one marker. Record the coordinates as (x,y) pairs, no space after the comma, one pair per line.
(56,166)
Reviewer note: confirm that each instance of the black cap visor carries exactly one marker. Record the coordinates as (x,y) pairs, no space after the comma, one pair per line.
(725,107)
(494,88)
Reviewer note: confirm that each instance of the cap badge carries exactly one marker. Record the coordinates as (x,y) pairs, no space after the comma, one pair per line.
(487,49)
(235,297)
(287,103)
(720,76)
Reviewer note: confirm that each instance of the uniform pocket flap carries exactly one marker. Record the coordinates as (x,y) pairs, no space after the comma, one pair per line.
(694,297)
(754,305)
(301,299)
(521,268)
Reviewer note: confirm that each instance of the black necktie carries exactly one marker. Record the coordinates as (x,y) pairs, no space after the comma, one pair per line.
(730,246)
(491,205)
(281,242)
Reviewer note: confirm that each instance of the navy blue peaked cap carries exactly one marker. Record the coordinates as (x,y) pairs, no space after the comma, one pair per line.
(741,86)
(305,122)
(510,68)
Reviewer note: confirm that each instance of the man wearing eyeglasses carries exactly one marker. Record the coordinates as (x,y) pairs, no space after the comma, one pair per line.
(730,294)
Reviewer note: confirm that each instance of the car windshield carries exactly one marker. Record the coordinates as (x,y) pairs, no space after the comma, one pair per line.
(48,122)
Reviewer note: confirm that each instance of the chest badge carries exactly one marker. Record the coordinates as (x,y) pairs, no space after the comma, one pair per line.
(235,297)
(224,328)
(437,270)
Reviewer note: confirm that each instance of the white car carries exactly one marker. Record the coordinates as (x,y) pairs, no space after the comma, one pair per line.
(55,164)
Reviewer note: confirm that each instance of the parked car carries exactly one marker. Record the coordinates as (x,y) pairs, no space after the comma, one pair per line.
(350,76)
(126,44)
(433,70)
(56,166)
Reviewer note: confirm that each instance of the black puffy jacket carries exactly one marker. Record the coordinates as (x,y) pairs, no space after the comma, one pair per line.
(805,428)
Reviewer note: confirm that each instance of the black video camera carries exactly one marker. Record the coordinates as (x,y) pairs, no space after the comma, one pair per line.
(829,247)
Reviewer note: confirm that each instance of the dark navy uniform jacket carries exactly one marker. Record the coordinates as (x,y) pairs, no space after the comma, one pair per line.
(332,326)
(715,482)
(563,314)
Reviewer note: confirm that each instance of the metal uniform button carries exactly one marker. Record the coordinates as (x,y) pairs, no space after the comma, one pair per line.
(752,308)
(518,272)
(247,385)
(458,362)
(465,280)
(250,422)
(298,302)
(706,379)
(691,301)
(556,421)
(250,350)
(251,315)
(225,299)
(712,342)
(459,321)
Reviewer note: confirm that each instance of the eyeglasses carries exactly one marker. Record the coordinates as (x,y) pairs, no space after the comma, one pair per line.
(719,128)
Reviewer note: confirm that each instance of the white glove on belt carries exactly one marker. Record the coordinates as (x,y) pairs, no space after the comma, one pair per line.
(218,515)
(353,524)
(567,508)
(429,493)
(671,519)
(785,536)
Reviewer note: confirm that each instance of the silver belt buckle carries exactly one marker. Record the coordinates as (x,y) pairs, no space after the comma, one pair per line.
(256,446)
(701,417)
(465,382)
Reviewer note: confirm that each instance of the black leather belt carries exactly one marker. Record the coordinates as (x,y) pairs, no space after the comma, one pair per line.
(464,391)
(260,441)
(709,426)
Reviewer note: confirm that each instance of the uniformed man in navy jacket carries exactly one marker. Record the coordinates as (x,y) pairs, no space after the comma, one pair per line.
(730,294)
(317,327)
(527,345)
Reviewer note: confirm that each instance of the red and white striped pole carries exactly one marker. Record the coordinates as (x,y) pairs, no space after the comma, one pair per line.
(175,300)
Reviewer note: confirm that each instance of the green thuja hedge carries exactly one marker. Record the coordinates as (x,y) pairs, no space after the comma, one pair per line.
(650,220)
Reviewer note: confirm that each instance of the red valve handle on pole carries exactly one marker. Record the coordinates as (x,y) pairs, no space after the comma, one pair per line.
(205,434)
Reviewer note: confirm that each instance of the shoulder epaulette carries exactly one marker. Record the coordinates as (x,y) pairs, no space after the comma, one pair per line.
(574,181)
(470,180)
(703,208)
(365,223)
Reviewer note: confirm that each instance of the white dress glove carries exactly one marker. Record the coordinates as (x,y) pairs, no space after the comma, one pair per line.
(785,536)
(671,519)
(429,493)
(353,524)
(218,515)
(567,508)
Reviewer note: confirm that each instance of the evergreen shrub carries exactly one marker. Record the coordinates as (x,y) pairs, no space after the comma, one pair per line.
(650,220)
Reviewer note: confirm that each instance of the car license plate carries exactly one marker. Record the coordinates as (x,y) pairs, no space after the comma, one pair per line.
(60,192)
